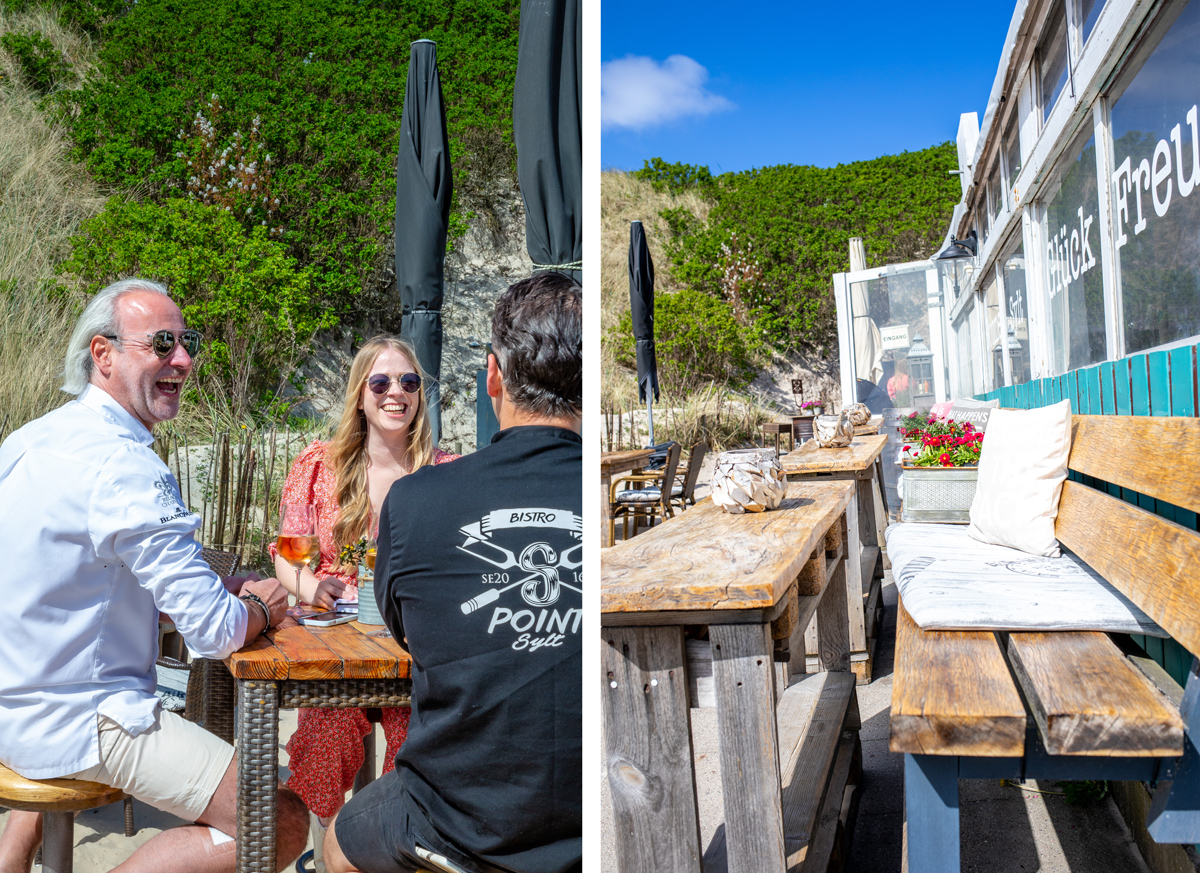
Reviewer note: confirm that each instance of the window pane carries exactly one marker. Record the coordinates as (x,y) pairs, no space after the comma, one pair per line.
(995,202)
(1156,161)
(889,314)
(1012,150)
(993,324)
(963,343)
(1089,11)
(1076,288)
(1052,59)
(1015,302)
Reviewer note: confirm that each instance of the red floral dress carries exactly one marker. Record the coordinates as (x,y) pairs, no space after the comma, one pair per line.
(326,749)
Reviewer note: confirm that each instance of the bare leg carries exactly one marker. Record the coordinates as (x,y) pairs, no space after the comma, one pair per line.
(335,860)
(22,836)
(191,848)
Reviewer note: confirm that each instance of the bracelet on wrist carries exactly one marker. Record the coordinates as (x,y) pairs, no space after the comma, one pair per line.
(254,598)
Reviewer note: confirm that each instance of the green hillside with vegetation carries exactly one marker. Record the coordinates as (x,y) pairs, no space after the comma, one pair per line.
(751,271)
(249,149)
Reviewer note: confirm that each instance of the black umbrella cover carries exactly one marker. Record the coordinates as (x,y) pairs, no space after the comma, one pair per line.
(641,306)
(549,134)
(423,189)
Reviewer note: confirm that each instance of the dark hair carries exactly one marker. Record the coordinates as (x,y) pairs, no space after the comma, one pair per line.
(537,337)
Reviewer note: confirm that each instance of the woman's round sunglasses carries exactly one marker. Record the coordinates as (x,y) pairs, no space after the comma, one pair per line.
(163,341)
(410,383)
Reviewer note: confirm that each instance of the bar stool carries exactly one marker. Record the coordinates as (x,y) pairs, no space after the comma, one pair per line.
(58,800)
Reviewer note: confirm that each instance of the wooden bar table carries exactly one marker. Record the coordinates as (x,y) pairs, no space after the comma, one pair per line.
(750,582)
(778,428)
(867,517)
(613,464)
(296,666)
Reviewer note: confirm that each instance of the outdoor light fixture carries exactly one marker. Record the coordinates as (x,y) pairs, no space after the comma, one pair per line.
(960,248)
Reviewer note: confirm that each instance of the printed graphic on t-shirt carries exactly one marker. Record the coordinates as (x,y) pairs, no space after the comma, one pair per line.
(533,589)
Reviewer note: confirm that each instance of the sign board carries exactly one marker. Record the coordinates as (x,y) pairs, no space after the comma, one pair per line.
(895,336)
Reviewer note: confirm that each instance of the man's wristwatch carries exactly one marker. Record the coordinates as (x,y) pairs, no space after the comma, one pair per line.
(254,598)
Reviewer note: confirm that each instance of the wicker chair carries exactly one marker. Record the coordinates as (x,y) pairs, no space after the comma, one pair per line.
(649,499)
(687,478)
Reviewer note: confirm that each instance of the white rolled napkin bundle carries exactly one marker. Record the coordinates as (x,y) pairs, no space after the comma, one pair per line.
(833,431)
(748,480)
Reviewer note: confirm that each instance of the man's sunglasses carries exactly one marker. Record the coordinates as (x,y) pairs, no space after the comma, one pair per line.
(163,341)
(410,383)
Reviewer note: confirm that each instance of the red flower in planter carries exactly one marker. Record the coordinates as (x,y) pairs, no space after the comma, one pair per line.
(945,461)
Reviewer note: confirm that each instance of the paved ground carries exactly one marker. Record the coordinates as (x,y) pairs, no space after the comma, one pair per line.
(1004,829)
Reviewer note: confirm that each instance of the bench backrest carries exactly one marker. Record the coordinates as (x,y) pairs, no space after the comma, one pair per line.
(1153,561)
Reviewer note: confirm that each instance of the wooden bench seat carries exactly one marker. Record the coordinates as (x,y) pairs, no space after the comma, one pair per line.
(1068,705)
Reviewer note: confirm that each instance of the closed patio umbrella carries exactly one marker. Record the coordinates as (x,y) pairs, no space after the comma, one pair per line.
(548,133)
(423,186)
(641,307)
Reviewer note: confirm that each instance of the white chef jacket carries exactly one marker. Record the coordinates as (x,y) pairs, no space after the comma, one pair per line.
(96,541)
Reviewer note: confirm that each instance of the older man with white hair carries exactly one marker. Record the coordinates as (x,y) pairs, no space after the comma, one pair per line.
(97,542)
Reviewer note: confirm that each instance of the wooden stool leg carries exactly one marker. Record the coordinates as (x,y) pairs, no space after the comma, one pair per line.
(366,773)
(58,841)
(931,810)
(130,830)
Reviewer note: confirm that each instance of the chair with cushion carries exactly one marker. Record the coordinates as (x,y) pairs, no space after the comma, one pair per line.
(58,800)
(648,498)
(684,493)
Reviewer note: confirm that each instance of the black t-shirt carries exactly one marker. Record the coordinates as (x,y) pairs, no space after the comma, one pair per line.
(479,566)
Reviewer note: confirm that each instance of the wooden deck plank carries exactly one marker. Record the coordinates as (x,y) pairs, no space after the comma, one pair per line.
(952,694)
(1102,705)
(707,559)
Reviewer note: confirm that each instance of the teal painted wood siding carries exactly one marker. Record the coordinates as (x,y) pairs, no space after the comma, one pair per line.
(1154,383)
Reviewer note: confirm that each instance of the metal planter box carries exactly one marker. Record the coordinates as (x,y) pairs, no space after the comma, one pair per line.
(942,494)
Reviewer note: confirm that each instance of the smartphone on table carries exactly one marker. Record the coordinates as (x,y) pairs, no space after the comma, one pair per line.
(325,619)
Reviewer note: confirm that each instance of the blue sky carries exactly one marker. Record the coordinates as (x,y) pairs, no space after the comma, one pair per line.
(735,86)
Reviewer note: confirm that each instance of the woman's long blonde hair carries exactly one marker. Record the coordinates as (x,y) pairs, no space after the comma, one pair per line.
(348,448)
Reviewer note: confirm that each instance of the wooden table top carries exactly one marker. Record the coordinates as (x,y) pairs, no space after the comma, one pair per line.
(777,427)
(619,462)
(707,559)
(810,458)
(344,651)
(870,428)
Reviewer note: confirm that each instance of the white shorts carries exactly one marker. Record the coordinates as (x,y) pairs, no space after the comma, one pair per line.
(174,766)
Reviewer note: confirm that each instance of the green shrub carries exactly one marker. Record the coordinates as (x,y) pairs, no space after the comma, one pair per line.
(42,66)
(697,339)
(776,235)
(327,80)
(240,288)
(673,177)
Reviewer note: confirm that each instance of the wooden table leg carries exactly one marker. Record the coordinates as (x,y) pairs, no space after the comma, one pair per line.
(648,744)
(881,511)
(931,812)
(743,679)
(257,774)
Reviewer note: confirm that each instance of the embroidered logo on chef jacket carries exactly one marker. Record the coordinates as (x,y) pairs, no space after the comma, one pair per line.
(169,496)
(537,556)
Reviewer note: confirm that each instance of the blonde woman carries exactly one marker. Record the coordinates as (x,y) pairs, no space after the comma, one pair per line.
(384,433)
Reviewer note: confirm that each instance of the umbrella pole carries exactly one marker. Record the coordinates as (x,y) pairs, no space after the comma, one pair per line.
(650,414)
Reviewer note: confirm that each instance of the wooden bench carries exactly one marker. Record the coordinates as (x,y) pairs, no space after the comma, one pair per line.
(790,755)
(970,705)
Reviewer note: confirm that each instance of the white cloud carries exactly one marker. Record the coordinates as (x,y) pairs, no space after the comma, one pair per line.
(638,92)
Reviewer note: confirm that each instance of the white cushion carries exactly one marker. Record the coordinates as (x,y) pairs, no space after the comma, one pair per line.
(1021,470)
(949,581)
(639,495)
